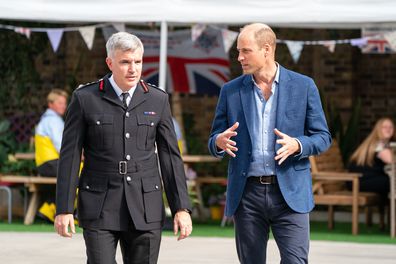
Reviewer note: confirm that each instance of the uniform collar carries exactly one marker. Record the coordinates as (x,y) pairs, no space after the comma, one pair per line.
(118,90)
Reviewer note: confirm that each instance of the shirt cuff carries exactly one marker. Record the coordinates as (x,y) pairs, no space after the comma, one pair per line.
(301,147)
(219,153)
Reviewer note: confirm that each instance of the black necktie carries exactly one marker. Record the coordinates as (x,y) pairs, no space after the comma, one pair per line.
(124,99)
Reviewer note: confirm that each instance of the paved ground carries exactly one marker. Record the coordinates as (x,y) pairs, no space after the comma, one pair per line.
(42,248)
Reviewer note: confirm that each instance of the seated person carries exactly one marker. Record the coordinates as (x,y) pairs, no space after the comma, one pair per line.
(48,139)
(179,135)
(371,157)
(48,136)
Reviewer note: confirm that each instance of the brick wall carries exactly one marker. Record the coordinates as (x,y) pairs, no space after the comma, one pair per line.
(343,75)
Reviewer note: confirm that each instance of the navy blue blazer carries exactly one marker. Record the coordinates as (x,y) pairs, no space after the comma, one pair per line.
(299,114)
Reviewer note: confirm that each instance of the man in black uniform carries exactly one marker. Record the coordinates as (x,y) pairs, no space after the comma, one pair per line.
(119,121)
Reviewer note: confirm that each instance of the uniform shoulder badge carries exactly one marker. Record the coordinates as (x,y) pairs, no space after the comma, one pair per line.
(100,81)
(147,85)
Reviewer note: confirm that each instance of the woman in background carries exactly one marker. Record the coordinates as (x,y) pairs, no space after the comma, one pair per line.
(371,157)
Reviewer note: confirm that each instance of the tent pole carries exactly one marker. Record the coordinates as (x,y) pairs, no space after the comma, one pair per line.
(163,55)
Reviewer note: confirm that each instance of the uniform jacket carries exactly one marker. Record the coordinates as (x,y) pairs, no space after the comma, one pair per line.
(299,114)
(121,179)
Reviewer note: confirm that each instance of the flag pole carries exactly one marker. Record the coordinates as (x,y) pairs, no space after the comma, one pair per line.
(163,55)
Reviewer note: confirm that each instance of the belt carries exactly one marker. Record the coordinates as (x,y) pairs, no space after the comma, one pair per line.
(264,179)
(121,167)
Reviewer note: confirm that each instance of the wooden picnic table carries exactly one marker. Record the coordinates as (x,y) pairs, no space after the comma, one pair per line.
(32,183)
(198,182)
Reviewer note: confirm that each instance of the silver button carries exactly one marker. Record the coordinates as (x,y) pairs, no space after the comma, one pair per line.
(156,187)
(152,124)
(127,114)
(87,187)
(129,179)
(127,135)
(128,157)
(267,165)
(98,122)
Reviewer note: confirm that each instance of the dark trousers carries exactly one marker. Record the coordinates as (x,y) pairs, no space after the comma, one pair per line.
(48,169)
(262,207)
(137,247)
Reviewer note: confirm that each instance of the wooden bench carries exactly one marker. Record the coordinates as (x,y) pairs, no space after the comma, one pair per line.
(329,187)
(32,183)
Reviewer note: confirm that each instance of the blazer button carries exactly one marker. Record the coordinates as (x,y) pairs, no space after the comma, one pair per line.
(98,122)
(128,179)
(127,135)
(244,173)
(152,124)
(87,187)
(127,114)
(156,187)
(128,157)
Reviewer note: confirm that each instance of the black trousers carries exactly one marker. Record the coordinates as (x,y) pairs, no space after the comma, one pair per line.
(48,169)
(137,247)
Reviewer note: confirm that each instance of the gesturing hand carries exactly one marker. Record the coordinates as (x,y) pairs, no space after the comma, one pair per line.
(289,146)
(224,142)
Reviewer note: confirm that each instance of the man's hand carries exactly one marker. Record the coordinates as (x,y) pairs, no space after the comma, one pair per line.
(289,146)
(62,223)
(183,222)
(224,142)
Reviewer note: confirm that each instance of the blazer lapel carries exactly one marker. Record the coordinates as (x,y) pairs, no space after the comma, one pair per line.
(247,99)
(283,97)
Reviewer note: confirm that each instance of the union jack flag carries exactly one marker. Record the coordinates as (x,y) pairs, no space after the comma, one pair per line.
(376,43)
(199,67)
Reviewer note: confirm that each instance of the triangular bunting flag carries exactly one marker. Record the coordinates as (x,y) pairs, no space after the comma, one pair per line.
(55,36)
(359,42)
(108,31)
(330,45)
(391,38)
(196,31)
(229,38)
(120,27)
(88,34)
(23,31)
(295,48)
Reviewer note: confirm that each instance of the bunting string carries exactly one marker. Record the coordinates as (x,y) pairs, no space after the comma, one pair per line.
(373,40)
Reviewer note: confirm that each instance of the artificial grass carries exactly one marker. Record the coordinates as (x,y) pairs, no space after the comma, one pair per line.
(319,231)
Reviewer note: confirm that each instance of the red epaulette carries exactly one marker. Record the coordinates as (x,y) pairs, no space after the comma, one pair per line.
(145,87)
(101,85)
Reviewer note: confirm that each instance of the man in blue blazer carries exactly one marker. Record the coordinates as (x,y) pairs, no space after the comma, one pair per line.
(269,120)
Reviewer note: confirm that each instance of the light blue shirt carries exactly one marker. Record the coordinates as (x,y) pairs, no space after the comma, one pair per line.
(51,125)
(263,135)
(119,92)
(178,132)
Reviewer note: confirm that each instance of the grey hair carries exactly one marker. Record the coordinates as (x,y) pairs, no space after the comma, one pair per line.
(123,41)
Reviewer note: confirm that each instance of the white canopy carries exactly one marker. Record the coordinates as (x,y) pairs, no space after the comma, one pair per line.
(277,13)
(281,13)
